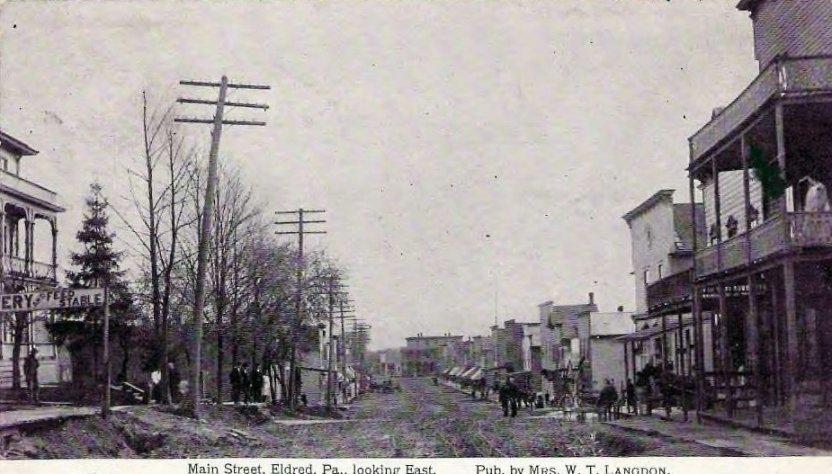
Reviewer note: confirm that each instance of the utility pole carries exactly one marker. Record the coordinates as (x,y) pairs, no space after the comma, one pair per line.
(194,384)
(331,341)
(294,327)
(106,400)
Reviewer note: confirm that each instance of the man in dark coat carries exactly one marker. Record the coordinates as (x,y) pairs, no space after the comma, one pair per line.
(504,395)
(30,370)
(245,383)
(236,383)
(256,384)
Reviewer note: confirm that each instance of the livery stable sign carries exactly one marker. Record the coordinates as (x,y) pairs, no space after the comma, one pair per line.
(52,299)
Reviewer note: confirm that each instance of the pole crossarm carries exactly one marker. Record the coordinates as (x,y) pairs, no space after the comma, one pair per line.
(228,85)
(256,123)
(227,104)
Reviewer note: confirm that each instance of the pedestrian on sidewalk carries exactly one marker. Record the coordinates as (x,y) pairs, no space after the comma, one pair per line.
(632,405)
(30,369)
(174,378)
(236,383)
(256,384)
(245,383)
(505,398)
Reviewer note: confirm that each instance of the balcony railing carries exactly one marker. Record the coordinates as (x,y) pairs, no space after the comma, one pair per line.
(670,290)
(16,266)
(788,75)
(805,229)
(24,188)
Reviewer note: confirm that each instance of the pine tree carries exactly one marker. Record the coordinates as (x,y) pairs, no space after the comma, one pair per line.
(96,264)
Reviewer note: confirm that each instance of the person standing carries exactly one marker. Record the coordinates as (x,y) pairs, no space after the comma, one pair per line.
(504,397)
(30,369)
(236,382)
(245,383)
(256,384)
(632,405)
(175,380)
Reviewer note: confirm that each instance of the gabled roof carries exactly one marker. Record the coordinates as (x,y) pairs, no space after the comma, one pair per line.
(16,146)
(664,194)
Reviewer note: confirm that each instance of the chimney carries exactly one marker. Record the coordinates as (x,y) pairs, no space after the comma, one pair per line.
(620,309)
(591,298)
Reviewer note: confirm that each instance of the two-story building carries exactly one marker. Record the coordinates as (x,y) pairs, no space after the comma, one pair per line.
(28,262)
(560,355)
(601,347)
(763,275)
(662,234)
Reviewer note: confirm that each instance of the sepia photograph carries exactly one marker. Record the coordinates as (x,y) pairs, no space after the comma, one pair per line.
(414,237)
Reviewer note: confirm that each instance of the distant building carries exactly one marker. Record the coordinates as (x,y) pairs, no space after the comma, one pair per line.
(560,344)
(601,347)
(429,355)
(28,262)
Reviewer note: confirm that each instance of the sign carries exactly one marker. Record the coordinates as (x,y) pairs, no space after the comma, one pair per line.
(52,299)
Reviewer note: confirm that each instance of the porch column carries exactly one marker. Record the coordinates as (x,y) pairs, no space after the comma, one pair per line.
(696,306)
(753,316)
(2,238)
(626,363)
(788,268)
(791,333)
(726,352)
(54,224)
(717,209)
(29,228)
(681,366)
(665,377)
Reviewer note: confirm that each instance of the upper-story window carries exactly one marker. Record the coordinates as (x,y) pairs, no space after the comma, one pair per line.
(646,276)
(4,163)
(659,272)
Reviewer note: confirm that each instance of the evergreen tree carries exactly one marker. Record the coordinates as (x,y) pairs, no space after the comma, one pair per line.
(96,264)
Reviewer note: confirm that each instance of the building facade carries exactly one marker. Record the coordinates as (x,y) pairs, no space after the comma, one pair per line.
(601,347)
(28,262)
(763,276)
(430,355)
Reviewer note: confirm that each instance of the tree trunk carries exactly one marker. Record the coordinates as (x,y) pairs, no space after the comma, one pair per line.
(20,320)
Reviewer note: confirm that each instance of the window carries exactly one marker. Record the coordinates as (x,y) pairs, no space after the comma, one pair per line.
(659,271)
(646,276)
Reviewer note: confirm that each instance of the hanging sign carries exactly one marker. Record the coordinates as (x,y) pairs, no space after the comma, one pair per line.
(52,299)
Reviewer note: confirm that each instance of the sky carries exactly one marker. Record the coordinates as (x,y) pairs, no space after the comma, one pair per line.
(474,158)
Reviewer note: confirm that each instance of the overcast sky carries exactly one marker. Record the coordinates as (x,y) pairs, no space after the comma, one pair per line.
(472,156)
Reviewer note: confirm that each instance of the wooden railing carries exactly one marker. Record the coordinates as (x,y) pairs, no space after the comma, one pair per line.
(811,229)
(788,75)
(19,267)
(669,290)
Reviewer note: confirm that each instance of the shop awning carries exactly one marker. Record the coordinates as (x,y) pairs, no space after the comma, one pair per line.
(477,374)
(467,373)
(643,334)
(455,371)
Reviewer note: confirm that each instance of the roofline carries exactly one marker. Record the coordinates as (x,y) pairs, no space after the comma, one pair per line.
(650,202)
(7,140)
(747,5)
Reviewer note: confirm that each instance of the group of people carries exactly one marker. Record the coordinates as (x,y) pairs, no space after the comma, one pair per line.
(512,397)
(246,383)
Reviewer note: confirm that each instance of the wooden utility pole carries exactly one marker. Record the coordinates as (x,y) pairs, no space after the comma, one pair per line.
(295,325)
(194,385)
(106,400)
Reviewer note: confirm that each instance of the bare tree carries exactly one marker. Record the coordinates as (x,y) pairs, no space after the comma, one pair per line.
(159,188)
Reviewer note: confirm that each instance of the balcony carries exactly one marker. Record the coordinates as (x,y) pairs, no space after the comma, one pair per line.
(27,190)
(670,291)
(18,267)
(787,76)
(799,230)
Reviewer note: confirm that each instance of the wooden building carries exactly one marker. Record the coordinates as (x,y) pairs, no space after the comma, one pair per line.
(762,277)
